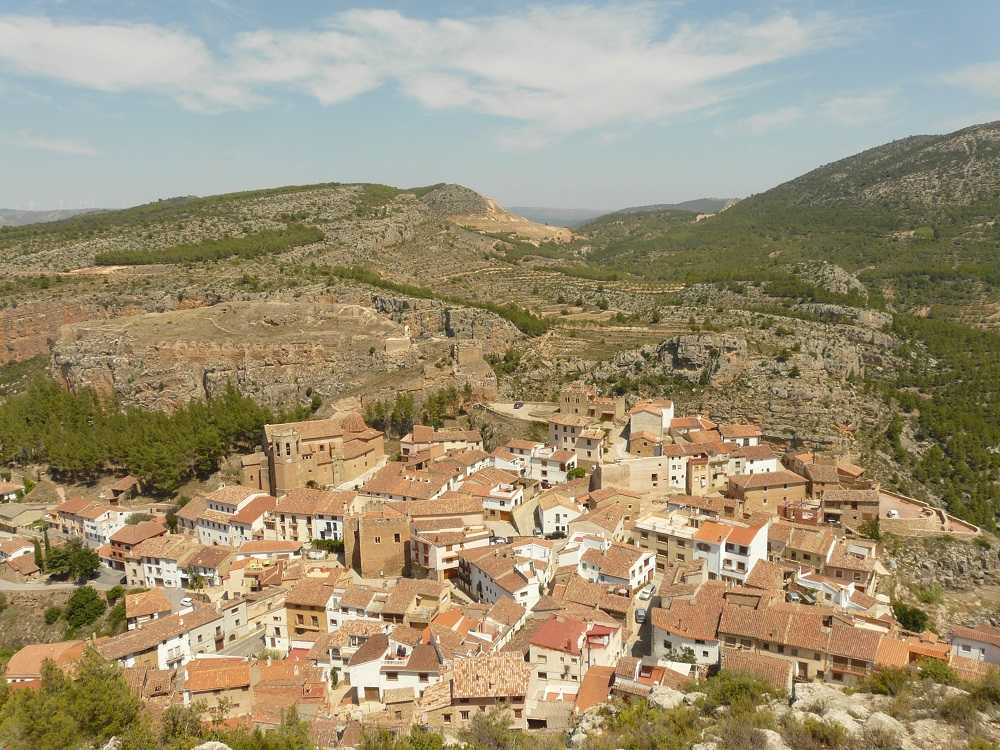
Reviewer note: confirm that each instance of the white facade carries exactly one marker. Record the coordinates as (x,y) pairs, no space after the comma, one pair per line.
(972,648)
(665,645)
(98,531)
(327,526)
(557,518)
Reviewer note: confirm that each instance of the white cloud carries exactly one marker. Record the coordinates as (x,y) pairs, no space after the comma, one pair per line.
(983,78)
(553,70)
(859,109)
(765,122)
(39,142)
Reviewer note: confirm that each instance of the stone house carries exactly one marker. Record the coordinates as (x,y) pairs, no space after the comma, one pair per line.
(377,543)
(767,492)
(313,453)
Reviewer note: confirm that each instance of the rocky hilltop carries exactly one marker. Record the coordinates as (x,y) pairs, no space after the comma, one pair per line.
(280,352)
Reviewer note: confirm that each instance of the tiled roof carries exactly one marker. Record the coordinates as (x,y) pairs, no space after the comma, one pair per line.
(712,532)
(254,509)
(755,452)
(823,473)
(311,592)
(204,676)
(617,560)
(854,643)
(15,544)
(232,494)
(307,430)
(155,632)
(606,518)
(209,556)
(560,634)
(982,633)
(571,420)
(193,509)
(595,688)
(426,434)
(138,532)
(168,547)
(739,430)
(372,649)
(72,506)
(766,575)
(775,672)
(505,611)
(23,564)
(28,661)
(766,479)
(307,502)
(268,546)
(492,676)
(146,603)
(689,619)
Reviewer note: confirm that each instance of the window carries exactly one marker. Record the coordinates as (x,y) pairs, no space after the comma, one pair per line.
(447,718)
(465,715)
(423,677)
(378,540)
(396,538)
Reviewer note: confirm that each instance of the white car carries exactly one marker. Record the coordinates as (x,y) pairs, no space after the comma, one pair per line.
(645,594)
(187,601)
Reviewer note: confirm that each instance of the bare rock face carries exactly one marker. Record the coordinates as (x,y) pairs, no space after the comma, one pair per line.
(702,355)
(279,353)
(26,330)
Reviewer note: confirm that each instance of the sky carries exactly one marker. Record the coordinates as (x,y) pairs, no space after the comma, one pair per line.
(111,103)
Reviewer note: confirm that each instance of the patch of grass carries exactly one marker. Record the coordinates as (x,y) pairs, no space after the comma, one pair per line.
(931,593)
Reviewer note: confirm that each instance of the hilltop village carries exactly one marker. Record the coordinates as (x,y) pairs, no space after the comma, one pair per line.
(633,553)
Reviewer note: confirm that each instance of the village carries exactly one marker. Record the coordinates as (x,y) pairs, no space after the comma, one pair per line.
(631,554)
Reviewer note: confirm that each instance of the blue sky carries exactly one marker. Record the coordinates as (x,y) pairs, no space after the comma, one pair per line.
(564,104)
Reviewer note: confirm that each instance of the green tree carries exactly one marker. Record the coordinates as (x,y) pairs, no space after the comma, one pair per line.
(73,560)
(84,607)
(909,617)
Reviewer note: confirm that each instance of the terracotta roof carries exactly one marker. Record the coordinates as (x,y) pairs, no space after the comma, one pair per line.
(209,556)
(28,661)
(525,445)
(766,575)
(981,633)
(692,423)
(308,502)
(739,431)
(823,473)
(15,544)
(505,611)
(311,429)
(268,546)
(147,603)
(155,632)
(595,688)
(766,479)
(311,592)
(167,547)
(7,488)
(125,483)
(426,434)
(95,510)
(72,506)
(24,564)
(617,560)
(854,643)
(760,452)
(606,518)
(743,534)
(233,494)
(560,634)
(138,532)
(254,509)
(688,619)
(491,676)
(712,532)
(203,676)
(193,509)
(372,649)
(775,672)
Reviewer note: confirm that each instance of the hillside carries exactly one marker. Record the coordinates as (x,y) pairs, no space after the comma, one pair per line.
(697,206)
(12,217)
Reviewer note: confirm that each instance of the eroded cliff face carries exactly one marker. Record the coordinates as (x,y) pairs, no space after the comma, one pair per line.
(27,330)
(279,352)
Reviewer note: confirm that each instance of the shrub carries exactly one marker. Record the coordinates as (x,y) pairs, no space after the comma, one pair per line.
(886,681)
(932,593)
(114,594)
(937,671)
(960,710)
(735,690)
(815,734)
(910,618)
(52,615)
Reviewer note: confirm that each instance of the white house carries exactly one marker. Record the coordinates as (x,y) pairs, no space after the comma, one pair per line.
(981,643)
(15,547)
(652,416)
(741,434)
(730,549)
(555,511)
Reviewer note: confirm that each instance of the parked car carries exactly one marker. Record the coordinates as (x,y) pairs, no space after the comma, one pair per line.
(646,593)
(187,601)
(640,616)
(518,404)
